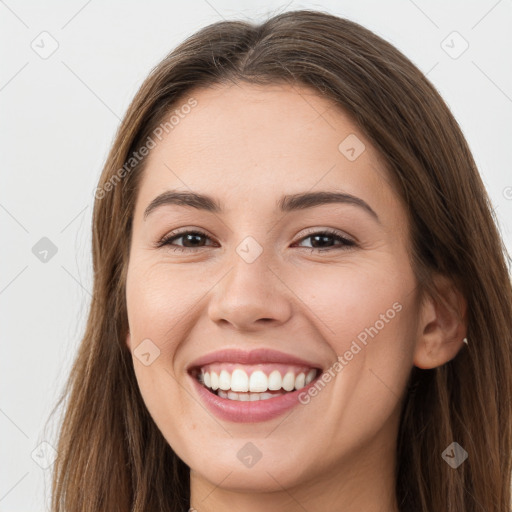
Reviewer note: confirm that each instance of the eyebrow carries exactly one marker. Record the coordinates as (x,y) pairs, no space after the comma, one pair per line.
(287,203)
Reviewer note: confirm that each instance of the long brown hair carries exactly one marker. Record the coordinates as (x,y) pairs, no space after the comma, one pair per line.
(111,455)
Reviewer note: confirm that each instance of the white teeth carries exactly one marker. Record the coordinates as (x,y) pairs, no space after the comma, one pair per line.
(245,397)
(300,381)
(224,380)
(214,380)
(274,381)
(289,381)
(238,383)
(310,376)
(258,381)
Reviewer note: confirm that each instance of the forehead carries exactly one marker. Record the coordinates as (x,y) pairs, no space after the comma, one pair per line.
(249,144)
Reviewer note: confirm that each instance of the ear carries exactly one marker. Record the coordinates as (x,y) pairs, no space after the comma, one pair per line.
(128,341)
(442,326)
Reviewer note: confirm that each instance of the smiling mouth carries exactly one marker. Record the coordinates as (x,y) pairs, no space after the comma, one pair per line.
(248,383)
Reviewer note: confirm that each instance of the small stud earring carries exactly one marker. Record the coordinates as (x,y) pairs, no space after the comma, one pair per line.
(465,340)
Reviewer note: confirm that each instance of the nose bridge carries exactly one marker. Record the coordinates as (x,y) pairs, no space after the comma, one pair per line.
(249,291)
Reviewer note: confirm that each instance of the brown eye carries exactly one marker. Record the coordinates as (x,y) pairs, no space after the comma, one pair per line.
(321,240)
(191,240)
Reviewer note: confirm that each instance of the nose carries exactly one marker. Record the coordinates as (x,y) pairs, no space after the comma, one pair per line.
(250,296)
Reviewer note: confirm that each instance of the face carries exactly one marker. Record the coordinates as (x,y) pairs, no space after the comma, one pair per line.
(325,285)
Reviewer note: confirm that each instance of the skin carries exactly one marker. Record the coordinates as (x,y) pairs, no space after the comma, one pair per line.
(247,145)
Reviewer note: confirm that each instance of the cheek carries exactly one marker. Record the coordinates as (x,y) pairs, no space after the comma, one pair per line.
(159,299)
(157,306)
(348,302)
(366,314)
(163,302)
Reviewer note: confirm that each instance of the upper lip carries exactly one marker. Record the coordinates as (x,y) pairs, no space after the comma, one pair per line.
(256,356)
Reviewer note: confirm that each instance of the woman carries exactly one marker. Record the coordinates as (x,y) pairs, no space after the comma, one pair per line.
(301,298)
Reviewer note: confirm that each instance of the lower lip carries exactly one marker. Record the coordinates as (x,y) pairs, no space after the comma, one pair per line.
(249,412)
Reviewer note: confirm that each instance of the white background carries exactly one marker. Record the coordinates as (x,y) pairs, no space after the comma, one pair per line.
(58,119)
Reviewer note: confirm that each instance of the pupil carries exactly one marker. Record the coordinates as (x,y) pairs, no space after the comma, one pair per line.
(323,238)
(189,236)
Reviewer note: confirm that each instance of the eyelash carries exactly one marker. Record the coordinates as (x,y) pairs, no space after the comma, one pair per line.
(347,243)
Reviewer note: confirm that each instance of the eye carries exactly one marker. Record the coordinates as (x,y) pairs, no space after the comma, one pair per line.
(189,237)
(320,240)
